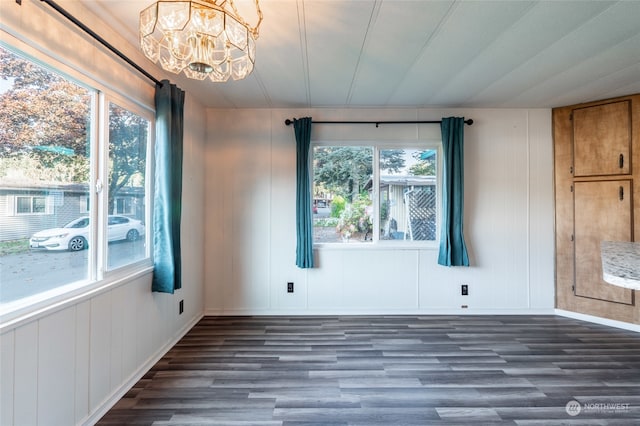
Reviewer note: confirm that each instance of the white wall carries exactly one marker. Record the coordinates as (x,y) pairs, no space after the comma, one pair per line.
(250,224)
(67,364)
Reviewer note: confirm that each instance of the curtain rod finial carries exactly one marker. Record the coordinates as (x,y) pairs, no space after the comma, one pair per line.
(469,121)
(288,121)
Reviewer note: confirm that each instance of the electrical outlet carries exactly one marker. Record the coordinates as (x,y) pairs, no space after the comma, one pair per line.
(290,287)
(464,289)
(181,307)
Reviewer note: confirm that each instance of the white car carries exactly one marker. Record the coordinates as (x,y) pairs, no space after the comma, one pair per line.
(74,235)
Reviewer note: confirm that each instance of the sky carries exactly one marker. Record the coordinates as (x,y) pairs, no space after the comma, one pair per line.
(5,85)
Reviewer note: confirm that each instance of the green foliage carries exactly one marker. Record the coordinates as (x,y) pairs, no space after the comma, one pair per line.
(337,206)
(326,222)
(127,150)
(423,167)
(342,170)
(391,160)
(355,219)
(14,247)
(384,210)
(44,167)
(41,108)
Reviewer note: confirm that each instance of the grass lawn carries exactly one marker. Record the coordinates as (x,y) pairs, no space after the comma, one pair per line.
(14,247)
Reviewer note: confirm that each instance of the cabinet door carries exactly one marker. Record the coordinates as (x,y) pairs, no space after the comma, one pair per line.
(603,212)
(602,139)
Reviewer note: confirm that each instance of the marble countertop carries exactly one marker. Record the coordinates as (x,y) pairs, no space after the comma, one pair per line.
(621,263)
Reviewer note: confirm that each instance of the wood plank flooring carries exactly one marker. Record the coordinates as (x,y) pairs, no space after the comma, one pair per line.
(391,370)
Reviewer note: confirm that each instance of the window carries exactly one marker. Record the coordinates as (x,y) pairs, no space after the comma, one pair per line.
(408,194)
(31,205)
(375,193)
(128,141)
(50,160)
(85,204)
(124,206)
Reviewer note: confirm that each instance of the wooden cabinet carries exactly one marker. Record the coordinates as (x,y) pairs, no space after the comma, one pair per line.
(602,139)
(602,213)
(597,181)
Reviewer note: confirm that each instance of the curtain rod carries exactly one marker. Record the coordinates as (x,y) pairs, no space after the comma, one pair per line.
(102,41)
(288,121)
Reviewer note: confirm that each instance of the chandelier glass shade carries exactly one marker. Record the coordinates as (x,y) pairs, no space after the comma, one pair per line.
(201,38)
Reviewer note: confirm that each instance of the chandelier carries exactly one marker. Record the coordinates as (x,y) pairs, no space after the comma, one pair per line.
(201,38)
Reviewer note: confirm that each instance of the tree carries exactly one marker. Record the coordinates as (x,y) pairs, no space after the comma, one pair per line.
(127,150)
(41,109)
(44,121)
(391,160)
(344,170)
(44,130)
(426,163)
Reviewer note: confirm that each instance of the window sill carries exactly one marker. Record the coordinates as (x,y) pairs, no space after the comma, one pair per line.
(398,245)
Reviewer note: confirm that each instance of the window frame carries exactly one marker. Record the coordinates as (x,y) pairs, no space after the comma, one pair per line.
(97,134)
(377,146)
(126,202)
(31,211)
(122,102)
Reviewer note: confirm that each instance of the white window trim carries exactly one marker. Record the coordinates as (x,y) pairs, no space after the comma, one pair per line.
(40,304)
(125,103)
(48,205)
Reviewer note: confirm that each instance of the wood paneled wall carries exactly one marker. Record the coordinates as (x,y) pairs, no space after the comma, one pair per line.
(621,307)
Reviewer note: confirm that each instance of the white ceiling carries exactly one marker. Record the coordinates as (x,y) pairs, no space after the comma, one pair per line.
(419,53)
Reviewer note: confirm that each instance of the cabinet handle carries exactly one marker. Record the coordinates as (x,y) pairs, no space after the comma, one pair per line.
(621,161)
(621,193)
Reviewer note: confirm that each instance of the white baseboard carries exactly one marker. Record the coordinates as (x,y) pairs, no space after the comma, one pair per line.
(599,320)
(118,393)
(353,311)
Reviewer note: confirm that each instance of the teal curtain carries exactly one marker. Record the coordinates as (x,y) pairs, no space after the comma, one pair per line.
(304,223)
(453,251)
(167,200)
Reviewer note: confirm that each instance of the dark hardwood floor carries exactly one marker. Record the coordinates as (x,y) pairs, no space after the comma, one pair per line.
(391,370)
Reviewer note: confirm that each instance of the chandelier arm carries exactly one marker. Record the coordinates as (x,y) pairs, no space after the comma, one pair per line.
(253,30)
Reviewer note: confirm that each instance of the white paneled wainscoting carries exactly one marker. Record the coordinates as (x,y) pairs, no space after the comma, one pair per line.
(71,365)
(250,226)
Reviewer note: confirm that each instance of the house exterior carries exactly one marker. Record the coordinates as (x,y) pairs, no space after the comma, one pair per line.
(25,210)
(408,205)
(410,202)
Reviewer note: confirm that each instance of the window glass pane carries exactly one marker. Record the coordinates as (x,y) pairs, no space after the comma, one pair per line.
(39,204)
(44,149)
(128,133)
(123,206)
(407,194)
(23,205)
(342,203)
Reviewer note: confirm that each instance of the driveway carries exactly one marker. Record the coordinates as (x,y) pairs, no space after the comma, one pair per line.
(33,272)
